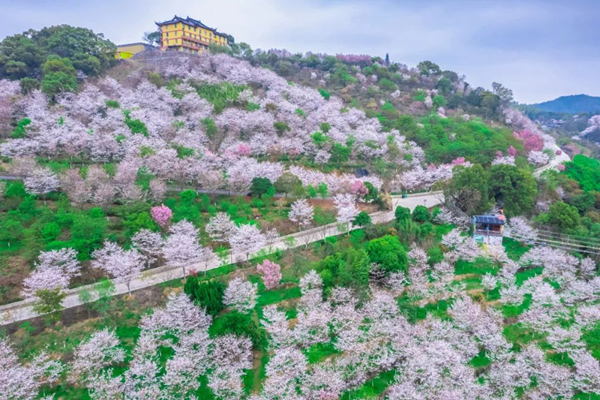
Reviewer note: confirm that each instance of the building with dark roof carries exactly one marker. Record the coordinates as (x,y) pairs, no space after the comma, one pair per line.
(189,35)
(489,229)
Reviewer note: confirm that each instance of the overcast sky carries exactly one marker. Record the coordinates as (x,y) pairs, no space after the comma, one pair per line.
(540,49)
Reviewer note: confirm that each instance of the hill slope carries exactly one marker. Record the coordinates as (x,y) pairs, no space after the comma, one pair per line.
(571,104)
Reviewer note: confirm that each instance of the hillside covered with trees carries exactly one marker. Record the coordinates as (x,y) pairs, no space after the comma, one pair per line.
(226,173)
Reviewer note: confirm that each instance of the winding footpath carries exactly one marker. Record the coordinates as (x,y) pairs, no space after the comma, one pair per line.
(555,162)
(23,310)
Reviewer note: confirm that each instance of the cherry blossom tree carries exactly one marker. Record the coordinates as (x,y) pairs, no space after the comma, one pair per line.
(346,209)
(246,239)
(234,355)
(271,273)
(520,229)
(149,244)
(100,351)
(181,248)
(538,158)
(18,381)
(301,212)
(41,181)
(220,227)
(240,295)
(53,271)
(158,189)
(161,214)
(123,265)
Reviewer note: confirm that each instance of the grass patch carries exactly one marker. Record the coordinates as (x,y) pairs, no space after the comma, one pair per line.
(591,337)
(480,360)
(320,351)
(510,311)
(514,250)
(276,296)
(414,313)
(372,389)
(480,266)
(519,335)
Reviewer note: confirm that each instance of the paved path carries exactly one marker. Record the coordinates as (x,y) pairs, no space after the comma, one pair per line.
(23,310)
(555,162)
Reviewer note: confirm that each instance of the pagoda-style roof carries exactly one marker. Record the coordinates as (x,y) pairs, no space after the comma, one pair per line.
(191,22)
(488,219)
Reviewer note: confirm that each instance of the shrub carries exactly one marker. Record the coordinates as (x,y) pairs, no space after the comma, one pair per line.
(326,95)
(386,84)
(261,186)
(563,216)
(439,101)
(420,214)
(362,219)
(235,323)
(402,214)
(388,253)
(206,294)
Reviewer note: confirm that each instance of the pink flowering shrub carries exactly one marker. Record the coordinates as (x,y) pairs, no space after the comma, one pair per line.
(558,152)
(244,150)
(499,154)
(271,273)
(161,214)
(561,167)
(458,161)
(531,141)
(512,151)
(359,189)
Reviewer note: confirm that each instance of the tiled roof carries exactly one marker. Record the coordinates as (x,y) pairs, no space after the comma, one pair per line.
(191,22)
(488,219)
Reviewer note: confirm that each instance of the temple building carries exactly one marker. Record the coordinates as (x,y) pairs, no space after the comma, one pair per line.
(189,35)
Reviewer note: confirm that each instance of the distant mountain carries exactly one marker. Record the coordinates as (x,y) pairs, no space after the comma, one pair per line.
(580,103)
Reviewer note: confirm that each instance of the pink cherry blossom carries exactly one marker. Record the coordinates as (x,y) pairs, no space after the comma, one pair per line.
(161,214)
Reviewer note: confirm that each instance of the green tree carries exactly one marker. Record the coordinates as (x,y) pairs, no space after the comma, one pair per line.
(362,219)
(238,324)
(206,294)
(286,183)
(421,214)
(439,101)
(340,153)
(512,188)
(20,57)
(59,76)
(585,171)
(152,38)
(50,231)
(103,295)
(428,68)
(261,186)
(468,189)
(322,189)
(49,304)
(402,214)
(372,194)
(28,85)
(563,216)
(388,253)
(11,230)
(444,85)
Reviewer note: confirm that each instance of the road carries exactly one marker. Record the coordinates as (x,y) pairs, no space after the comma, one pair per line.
(555,162)
(23,310)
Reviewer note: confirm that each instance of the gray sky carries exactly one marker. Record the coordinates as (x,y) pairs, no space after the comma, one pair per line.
(540,49)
